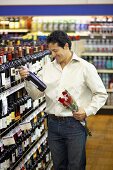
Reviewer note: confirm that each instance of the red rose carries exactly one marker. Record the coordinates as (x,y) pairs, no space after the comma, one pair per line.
(61,100)
(69,100)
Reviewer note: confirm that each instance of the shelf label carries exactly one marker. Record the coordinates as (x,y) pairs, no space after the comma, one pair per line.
(9,140)
(25,126)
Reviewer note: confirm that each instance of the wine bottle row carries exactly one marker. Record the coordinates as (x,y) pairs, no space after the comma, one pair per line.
(99,45)
(38,158)
(15,22)
(13,107)
(9,75)
(96,24)
(100,62)
(21,124)
(103,63)
(18,141)
(101,25)
(98,51)
(107,80)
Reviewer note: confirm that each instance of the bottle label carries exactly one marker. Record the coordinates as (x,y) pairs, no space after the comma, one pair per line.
(1,124)
(13,157)
(39,165)
(27,104)
(47,157)
(17,117)
(34,155)
(8,120)
(8,82)
(21,109)
(12,71)
(13,115)
(4,122)
(4,105)
(20,151)
(3,79)
(16,153)
(17,75)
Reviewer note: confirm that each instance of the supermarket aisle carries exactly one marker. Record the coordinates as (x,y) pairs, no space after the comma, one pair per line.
(99,148)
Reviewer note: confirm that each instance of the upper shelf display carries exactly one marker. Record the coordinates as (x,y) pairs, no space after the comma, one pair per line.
(82,25)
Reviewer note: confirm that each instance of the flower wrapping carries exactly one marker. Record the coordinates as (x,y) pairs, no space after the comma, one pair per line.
(68,102)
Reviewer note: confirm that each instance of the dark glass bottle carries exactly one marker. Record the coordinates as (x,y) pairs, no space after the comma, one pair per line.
(1,116)
(13,154)
(0,81)
(40,85)
(12,73)
(7,76)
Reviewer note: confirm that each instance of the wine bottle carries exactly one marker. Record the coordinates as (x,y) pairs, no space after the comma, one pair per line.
(39,84)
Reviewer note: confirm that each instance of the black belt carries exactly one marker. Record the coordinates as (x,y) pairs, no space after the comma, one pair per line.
(52,116)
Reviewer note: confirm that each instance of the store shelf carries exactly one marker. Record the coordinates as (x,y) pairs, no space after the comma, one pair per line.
(11,90)
(77,33)
(105,71)
(96,54)
(110,90)
(102,35)
(35,111)
(107,107)
(13,30)
(49,165)
(27,152)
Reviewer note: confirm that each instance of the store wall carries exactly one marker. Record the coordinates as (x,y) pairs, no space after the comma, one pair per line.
(56,7)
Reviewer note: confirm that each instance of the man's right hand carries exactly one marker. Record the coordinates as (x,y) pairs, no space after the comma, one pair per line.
(24,72)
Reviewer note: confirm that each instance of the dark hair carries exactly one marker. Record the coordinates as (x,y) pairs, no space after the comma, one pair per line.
(59,37)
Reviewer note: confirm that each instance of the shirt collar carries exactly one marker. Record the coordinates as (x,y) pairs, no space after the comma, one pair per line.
(74,58)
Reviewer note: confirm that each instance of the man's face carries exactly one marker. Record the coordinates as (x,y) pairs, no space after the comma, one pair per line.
(58,53)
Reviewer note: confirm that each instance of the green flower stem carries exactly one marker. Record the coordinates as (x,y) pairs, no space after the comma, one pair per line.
(74,107)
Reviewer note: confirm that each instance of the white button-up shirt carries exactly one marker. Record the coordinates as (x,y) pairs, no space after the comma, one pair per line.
(79,77)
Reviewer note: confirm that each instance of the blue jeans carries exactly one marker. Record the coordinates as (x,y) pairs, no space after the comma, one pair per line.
(67,140)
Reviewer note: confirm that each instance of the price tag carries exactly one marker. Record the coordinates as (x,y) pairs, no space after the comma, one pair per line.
(33,150)
(35,114)
(30,154)
(9,140)
(35,147)
(25,160)
(25,126)
(40,109)
(44,105)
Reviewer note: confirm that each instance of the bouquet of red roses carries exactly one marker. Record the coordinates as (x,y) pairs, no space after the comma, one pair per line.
(68,102)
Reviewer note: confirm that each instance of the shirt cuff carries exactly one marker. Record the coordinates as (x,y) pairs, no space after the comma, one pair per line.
(89,111)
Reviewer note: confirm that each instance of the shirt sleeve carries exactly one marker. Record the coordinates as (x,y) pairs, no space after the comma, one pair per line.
(32,89)
(99,93)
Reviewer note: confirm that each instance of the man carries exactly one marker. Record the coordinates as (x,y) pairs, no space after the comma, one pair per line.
(66,135)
